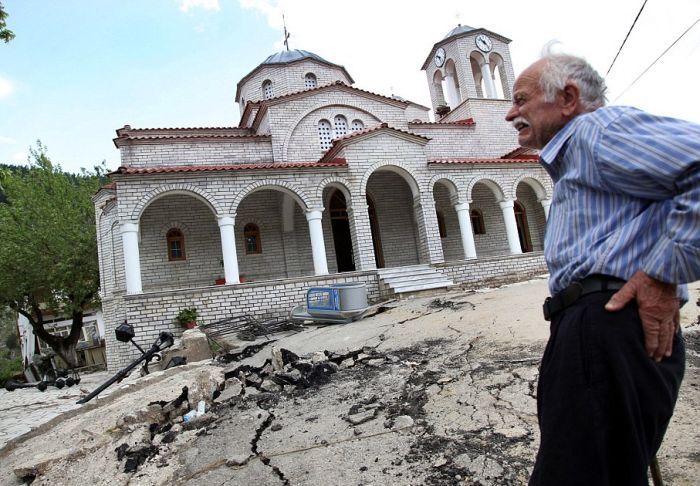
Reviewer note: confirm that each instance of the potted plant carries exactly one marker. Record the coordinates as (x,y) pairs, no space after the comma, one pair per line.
(187,318)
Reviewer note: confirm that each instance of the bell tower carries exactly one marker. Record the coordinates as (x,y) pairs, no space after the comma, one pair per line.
(468,63)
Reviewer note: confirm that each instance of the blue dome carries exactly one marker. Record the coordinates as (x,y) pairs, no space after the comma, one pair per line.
(284,57)
(460,29)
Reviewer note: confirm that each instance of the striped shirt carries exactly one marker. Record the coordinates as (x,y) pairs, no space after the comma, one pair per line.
(626,198)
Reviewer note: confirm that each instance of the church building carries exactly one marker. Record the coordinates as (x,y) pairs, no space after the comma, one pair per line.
(322,183)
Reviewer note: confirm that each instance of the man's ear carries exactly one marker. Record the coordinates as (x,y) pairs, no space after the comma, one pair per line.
(570,99)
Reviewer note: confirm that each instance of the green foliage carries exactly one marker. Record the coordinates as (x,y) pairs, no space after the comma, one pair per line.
(48,252)
(9,368)
(186,315)
(5,34)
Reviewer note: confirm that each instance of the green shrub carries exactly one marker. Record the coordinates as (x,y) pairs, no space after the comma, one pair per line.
(9,368)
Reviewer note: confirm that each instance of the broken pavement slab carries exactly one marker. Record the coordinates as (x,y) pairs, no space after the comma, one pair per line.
(448,395)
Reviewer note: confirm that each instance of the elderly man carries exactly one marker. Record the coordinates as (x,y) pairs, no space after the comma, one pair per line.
(623,235)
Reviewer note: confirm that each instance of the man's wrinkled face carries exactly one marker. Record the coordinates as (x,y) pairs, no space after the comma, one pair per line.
(535,119)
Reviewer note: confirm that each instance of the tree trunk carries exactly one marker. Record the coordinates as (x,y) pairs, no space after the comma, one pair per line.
(65,347)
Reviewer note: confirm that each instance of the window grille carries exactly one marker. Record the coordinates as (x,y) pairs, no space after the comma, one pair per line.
(340,126)
(310,80)
(357,125)
(324,134)
(267,89)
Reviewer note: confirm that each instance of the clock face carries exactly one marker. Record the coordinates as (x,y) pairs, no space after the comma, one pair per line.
(483,42)
(440,57)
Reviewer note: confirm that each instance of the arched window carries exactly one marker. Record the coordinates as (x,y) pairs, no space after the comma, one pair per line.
(357,125)
(310,80)
(441,224)
(324,134)
(267,89)
(340,125)
(251,234)
(477,222)
(176,245)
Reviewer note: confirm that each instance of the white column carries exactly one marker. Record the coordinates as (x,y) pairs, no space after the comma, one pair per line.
(465,229)
(488,80)
(228,248)
(318,247)
(545,204)
(511,226)
(452,94)
(132,260)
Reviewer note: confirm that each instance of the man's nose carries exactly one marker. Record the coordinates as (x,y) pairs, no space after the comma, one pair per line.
(512,113)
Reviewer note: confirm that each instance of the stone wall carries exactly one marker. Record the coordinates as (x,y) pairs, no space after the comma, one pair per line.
(484,272)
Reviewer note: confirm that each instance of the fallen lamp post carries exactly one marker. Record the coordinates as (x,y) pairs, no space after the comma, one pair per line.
(125,333)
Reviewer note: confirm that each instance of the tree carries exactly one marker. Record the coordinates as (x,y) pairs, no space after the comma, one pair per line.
(5,34)
(48,249)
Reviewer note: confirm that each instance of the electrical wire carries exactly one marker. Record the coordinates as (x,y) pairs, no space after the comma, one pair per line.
(657,59)
(623,42)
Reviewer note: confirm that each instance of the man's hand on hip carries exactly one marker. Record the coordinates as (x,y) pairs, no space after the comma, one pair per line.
(659,311)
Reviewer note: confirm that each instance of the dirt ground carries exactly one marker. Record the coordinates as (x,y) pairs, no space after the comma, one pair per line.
(435,390)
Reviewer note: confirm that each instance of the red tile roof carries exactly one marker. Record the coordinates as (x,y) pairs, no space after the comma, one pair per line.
(127,134)
(483,161)
(339,162)
(466,121)
(522,153)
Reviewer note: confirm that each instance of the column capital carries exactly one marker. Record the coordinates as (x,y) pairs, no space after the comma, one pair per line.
(506,203)
(226,219)
(314,213)
(129,227)
(461,206)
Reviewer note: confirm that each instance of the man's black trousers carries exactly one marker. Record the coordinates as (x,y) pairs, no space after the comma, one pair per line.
(603,404)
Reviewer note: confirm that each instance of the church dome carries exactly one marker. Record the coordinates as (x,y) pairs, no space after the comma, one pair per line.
(460,29)
(285,57)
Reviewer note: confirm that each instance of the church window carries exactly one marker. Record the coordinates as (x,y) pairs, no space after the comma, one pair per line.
(310,80)
(251,235)
(324,134)
(357,125)
(340,126)
(176,245)
(441,224)
(477,222)
(267,89)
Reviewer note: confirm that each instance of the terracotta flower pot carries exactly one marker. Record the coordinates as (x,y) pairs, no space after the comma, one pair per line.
(220,281)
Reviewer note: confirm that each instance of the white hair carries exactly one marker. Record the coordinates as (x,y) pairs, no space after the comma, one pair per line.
(560,69)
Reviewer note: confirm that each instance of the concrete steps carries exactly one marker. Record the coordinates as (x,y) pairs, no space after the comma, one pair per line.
(402,281)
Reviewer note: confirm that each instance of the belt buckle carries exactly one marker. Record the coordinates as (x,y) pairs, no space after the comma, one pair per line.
(546,310)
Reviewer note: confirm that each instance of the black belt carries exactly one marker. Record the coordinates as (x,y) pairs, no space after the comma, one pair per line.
(568,296)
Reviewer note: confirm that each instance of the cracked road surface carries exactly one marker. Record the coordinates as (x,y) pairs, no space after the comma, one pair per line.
(434,392)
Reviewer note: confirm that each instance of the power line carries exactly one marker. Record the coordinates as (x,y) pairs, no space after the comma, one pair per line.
(628,34)
(656,60)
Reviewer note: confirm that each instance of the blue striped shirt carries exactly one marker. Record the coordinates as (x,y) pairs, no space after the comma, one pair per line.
(626,198)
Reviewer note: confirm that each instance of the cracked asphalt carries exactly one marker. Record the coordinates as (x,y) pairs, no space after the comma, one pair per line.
(435,391)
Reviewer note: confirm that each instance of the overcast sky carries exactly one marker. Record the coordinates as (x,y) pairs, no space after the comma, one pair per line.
(80,69)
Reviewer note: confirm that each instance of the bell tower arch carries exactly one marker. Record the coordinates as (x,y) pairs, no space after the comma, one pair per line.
(468,63)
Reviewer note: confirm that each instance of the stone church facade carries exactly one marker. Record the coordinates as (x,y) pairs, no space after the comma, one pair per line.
(320,183)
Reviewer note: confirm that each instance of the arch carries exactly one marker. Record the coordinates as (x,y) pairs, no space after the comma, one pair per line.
(476,59)
(494,186)
(451,82)
(308,113)
(399,168)
(297,194)
(532,181)
(340,126)
(497,65)
(438,88)
(174,189)
(338,183)
(449,183)
(357,125)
